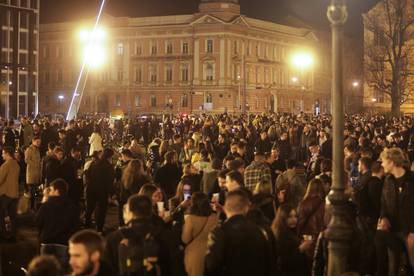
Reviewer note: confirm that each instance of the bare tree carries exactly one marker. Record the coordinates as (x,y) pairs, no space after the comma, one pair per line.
(389,50)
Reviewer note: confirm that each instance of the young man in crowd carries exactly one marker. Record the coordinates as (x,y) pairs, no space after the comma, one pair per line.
(86,249)
(9,193)
(258,172)
(58,217)
(231,245)
(140,226)
(396,208)
(33,169)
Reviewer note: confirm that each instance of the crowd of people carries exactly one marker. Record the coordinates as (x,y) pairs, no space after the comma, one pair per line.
(208,194)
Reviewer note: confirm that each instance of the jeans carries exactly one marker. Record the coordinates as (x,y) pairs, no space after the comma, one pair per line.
(8,210)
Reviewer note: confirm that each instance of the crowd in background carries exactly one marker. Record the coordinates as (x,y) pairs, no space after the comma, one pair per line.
(208,194)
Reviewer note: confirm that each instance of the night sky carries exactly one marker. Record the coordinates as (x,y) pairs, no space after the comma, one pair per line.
(313,12)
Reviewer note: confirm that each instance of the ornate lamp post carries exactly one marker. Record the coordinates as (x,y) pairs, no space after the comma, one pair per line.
(339,232)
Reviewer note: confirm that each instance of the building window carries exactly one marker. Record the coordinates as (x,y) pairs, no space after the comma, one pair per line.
(154,48)
(184,73)
(46,51)
(138,50)
(184,100)
(185,48)
(209,72)
(118,100)
(137,100)
(120,49)
(47,77)
(138,75)
(120,75)
(209,46)
(87,101)
(169,48)
(23,41)
(379,96)
(153,74)
(47,101)
(153,101)
(209,98)
(59,77)
(169,73)
(235,47)
(24,22)
(257,50)
(22,83)
(58,51)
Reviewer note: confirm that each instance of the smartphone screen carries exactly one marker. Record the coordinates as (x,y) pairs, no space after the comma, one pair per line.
(187,195)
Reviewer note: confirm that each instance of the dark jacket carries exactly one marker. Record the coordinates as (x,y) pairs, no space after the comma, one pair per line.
(53,169)
(57,219)
(326,149)
(263,145)
(398,202)
(168,177)
(69,172)
(221,150)
(367,196)
(102,175)
(10,137)
(238,247)
(291,261)
(285,150)
(138,228)
(135,187)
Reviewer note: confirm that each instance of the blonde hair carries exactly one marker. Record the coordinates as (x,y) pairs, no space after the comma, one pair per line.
(396,155)
(263,187)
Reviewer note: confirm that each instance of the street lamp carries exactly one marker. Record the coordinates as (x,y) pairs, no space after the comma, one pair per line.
(339,232)
(93,47)
(355,84)
(302,61)
(60,100)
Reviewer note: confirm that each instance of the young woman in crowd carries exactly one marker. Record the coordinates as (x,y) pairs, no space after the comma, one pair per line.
(290,247)
(197,226)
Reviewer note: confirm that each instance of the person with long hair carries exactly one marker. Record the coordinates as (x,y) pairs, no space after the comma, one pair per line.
(198,224)
(183,188)
(311,210)
(290,249)
(154,193)
(133,178)
(95,141)
(191,173)
(169,174)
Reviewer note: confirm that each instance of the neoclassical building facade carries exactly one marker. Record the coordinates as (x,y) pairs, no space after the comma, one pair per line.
(215,60)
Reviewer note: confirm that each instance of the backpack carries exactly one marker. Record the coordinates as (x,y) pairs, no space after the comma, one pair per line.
(138,254)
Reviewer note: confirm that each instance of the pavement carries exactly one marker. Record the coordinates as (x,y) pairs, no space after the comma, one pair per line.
(16,256)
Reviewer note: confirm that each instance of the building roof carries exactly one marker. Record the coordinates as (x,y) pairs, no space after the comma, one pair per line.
(186,20)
